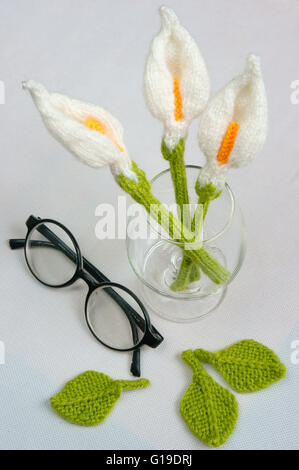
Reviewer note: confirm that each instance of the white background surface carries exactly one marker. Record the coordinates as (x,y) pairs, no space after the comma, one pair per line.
(95,50)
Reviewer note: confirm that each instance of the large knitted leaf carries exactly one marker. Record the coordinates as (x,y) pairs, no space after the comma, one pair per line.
(248,366)
(89,398)
(209,410)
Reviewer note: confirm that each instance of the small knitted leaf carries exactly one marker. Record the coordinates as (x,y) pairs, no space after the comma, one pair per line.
(89,398)
(209,410)
(248,366)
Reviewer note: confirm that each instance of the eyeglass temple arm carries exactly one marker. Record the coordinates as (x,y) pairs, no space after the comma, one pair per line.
(16,243)
(135,365)
(156,339)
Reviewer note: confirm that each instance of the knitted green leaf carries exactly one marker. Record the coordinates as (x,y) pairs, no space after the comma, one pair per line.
(89,398)
(209,410)
(248,366)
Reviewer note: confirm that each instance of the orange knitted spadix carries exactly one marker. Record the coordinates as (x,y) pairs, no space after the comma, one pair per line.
(228,142)
(178,103)
(95,125)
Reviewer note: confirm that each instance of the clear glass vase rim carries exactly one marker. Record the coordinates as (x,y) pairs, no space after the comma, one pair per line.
(208,240)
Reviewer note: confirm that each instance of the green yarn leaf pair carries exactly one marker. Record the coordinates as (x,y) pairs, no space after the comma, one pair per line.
(88,399)
(210,410)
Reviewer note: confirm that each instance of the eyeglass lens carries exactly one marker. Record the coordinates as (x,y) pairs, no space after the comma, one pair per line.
(118,325)
(46,260)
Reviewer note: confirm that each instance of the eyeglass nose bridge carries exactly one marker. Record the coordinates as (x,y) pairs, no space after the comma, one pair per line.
(91,283)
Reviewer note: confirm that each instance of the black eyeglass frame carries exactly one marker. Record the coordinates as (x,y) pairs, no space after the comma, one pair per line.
(94,279)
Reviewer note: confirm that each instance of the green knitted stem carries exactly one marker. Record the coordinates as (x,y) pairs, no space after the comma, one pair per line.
(190,358)
(179,178)
(140,192)
(195,273)
(133,384)
(204,356)
(188,266)
(205,208)
(206,195)
(187,273)
(184,277)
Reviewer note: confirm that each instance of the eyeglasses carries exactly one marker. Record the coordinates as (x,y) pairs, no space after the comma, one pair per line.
(114,314)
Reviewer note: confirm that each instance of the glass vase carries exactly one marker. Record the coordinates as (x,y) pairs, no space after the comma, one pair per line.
(156,258)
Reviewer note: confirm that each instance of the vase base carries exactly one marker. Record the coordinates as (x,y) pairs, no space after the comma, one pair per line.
(182,311)
(161,266)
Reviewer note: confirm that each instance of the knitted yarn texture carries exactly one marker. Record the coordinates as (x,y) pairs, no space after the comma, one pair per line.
(89,132)
(79,127)
(239,113)
(228,135)
(88,399)
(176,80)
(140,192)
(177,86)
(248,366)
(211,411)
(189,272)
(175,158)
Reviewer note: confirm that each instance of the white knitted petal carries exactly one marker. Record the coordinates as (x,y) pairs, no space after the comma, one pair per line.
(242,100)
(158,80)
(65,117)
(174,53)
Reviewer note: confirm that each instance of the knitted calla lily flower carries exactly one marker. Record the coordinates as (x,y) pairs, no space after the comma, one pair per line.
(233,127)
(176,81)
(91,133)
